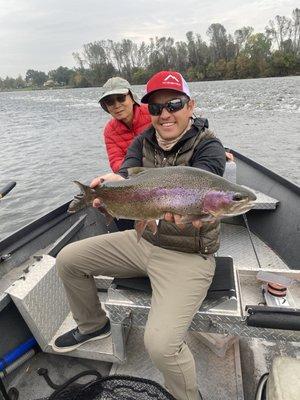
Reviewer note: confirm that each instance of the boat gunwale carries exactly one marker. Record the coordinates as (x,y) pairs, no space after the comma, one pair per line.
(271,174)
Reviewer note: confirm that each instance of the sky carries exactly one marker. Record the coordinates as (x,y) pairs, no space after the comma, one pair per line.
(43,34)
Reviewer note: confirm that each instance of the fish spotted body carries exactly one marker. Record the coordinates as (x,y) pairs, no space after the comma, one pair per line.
(149,193)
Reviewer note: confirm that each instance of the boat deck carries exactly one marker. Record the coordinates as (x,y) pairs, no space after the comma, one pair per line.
(235,242)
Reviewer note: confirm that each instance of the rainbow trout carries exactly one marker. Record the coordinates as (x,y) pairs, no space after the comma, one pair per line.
(149,193)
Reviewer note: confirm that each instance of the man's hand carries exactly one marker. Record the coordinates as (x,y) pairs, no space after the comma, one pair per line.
(110,177)
(176,218)
(229,156)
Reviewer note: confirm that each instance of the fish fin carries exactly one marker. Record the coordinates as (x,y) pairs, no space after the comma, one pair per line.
(136,170)
(152,223)
(108,217)
(140,227)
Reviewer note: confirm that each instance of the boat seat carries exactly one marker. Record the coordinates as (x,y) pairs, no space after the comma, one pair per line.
(223,284)
(230,171)
(263,201)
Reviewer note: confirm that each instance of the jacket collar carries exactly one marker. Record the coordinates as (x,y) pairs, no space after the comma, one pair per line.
(197,126)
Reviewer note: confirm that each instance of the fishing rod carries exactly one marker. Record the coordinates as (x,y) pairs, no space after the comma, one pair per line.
(7,188)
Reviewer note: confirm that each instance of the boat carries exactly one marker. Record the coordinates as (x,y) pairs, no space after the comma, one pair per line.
(234,336)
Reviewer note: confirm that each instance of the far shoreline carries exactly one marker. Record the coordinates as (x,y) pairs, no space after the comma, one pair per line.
(64,87)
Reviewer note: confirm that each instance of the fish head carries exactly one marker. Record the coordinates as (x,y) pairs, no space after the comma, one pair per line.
(228,203)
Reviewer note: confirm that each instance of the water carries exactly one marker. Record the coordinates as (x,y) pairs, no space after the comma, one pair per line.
(49,138)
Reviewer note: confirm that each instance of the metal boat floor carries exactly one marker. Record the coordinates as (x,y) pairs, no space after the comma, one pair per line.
(218,378)
(32,386)
(235,242)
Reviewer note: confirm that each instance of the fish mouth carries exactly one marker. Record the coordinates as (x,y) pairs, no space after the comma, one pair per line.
(242,202)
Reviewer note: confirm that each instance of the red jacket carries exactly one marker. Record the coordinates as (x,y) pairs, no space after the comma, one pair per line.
(118,136)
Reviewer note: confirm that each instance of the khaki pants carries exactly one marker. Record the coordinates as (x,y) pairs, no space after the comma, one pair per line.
(179,282)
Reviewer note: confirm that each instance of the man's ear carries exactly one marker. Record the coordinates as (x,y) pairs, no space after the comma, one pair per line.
(191,106)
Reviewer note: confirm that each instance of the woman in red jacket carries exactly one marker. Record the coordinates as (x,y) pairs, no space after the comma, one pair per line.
(129,119)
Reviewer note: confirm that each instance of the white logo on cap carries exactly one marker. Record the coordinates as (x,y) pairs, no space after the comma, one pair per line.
(171,77)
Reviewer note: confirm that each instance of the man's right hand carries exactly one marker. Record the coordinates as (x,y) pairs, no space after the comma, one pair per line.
(110,177)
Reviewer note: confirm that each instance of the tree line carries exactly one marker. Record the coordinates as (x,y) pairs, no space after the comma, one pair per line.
(245,54)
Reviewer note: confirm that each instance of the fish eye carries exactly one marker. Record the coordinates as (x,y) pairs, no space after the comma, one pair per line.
(238,197)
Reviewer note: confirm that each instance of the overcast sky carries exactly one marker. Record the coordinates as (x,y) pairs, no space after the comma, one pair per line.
(42,34)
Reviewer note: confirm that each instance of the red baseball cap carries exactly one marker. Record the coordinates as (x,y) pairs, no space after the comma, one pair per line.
(170,80)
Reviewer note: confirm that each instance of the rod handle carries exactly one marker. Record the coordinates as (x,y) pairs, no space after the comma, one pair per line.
(7,188)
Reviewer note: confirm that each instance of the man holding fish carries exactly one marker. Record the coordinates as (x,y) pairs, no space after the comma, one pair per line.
(181,188)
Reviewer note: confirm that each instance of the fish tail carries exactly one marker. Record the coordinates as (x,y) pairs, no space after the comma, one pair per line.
(83,199)
(85,190)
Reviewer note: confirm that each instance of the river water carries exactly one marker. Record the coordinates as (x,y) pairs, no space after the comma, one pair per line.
(50,138)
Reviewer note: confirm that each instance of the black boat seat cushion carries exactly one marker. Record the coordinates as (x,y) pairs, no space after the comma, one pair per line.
(222,285)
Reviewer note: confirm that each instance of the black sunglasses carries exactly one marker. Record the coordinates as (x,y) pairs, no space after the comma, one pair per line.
(172,106)
(110,100)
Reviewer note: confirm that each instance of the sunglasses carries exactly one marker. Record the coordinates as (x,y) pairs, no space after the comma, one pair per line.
(171,106)
(111,100)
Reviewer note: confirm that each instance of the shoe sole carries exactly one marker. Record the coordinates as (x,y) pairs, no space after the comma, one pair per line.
(71,348)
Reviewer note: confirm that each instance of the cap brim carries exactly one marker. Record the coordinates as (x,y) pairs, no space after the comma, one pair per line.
(116,91)
(145,98)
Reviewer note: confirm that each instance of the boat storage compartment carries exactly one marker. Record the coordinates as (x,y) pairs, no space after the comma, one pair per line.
(40,297)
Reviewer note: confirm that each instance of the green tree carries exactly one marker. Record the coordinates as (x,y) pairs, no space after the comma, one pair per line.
(283,63)
(218,41)
(96,56)
(163,54)
(280,30)
(19,82)
(61,75)
(296,31)
(80,79)
(194,74)
(241,36)
(140,76)
(211,72)
(35,78)
(231,69)
(181,56)
(243,66)
(220,69)
(258,46)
